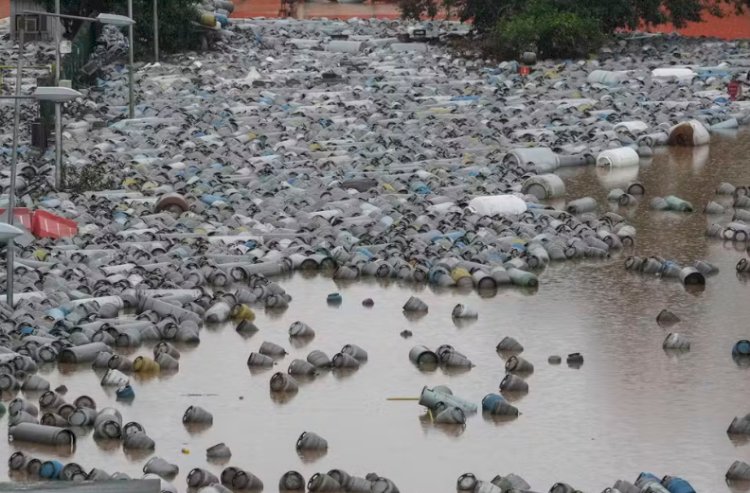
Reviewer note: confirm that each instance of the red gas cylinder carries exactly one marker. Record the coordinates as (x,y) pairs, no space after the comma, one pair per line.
(734,89)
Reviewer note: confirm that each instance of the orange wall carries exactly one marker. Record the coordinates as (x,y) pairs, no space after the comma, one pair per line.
(728,27)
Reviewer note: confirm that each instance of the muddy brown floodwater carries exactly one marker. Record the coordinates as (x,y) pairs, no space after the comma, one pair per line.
(630,408)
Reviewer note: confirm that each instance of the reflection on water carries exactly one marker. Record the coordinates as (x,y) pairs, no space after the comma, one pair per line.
(630,407)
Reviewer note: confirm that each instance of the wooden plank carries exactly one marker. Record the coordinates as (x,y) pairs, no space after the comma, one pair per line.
(114,486)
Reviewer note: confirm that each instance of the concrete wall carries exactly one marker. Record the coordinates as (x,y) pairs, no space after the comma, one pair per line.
(730,26)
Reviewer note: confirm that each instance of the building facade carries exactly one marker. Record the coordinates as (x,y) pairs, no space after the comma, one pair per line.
(36,27)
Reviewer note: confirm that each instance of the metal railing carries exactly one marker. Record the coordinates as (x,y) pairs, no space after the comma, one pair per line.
(8,68)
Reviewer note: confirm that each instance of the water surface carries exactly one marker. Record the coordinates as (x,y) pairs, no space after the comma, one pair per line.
(631,407)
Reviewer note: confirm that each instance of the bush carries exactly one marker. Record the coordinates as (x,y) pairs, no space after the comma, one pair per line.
(89,178)
(611,14)
(175,30)
(415,9)
(547,31)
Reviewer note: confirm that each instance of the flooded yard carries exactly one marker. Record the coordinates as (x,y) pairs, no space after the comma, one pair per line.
(631,407)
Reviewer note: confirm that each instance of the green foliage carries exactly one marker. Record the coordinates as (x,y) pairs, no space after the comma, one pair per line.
(547,30)
(175,30)
(89,178)
(416,9)
(611,14)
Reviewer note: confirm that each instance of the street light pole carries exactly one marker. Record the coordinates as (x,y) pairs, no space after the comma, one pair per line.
(113,19)
(131,106)
(58,110)
(10,252)
(156,31)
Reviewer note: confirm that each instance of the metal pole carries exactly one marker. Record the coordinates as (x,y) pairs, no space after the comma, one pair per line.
(13,171)
(130,59)
(58,109)
(156,31)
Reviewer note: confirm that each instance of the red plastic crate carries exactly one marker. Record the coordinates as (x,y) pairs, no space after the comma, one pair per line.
(47,225)
(22,216)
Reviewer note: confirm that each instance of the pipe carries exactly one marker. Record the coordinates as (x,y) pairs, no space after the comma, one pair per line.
(10,248)
(131,68)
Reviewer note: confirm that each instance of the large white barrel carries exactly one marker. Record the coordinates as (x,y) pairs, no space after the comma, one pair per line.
(543,156)
(344,46)
(618,158)
(634,127)
(545,186)
(497,204)
(606,77)
(673,73)
(688,134)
